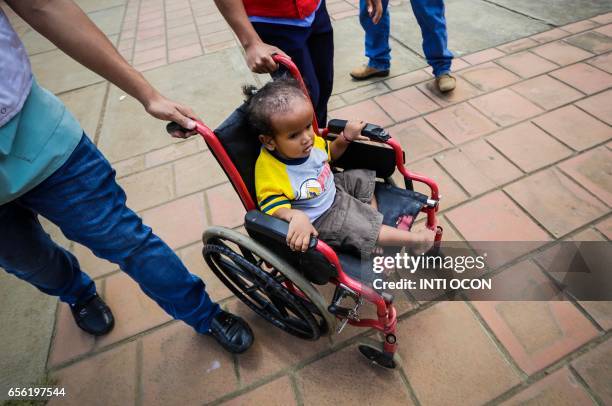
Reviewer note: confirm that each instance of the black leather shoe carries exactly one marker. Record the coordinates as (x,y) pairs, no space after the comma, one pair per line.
(233,333)
(93,316)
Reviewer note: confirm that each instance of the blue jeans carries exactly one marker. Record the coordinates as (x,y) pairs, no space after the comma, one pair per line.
(312,51)
(430,17)
(83,199)
(377,48)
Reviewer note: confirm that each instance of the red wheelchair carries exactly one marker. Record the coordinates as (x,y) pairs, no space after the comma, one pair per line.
(277,283)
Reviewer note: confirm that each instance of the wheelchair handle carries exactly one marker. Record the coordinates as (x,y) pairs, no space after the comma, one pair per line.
(295,73)
(372,131)
(172,126)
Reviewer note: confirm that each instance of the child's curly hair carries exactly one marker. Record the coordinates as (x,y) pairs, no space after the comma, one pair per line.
(274,97)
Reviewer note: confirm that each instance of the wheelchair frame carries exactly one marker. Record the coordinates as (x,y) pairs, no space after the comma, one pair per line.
(386,321)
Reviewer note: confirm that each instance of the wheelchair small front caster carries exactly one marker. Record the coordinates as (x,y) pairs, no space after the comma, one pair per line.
(373,351)
(378,357)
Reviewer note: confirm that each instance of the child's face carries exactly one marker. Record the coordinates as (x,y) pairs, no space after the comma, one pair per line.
(293,137)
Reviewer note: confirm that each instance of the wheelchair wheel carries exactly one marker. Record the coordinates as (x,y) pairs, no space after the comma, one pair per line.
(373,351)
(267,284)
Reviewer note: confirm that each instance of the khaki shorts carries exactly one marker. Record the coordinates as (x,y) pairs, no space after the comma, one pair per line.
(351,224)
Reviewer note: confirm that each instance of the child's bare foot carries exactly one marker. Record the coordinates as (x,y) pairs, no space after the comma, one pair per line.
(422,240)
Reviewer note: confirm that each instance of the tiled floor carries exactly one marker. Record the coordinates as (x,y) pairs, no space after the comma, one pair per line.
(522,150)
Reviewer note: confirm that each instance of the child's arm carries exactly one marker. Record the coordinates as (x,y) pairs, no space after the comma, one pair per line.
(300,228)
(351,132)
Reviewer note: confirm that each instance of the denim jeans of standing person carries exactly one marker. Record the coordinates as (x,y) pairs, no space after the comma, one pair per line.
(83,199)
(430,17)
(312,51)
(377,48)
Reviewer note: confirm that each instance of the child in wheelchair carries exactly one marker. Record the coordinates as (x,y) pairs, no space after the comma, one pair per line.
(294,181)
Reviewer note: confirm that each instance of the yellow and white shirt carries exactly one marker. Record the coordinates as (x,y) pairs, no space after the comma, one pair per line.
(305,184)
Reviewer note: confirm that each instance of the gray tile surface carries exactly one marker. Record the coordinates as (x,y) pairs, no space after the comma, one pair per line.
(472,25)
(557,12)
(27,320)
(209,84)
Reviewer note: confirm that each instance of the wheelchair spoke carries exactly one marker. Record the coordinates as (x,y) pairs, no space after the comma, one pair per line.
(236,269)
(280,279)
(251,289)
(248,255)
(308,304)
(298,324)
(238,277)
(286,311)
(251,257)
(290,314)
(280,306)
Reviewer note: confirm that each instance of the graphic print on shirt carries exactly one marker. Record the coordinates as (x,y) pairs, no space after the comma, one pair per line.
(311,187)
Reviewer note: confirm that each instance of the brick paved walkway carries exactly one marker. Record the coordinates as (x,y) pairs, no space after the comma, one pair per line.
(521,150)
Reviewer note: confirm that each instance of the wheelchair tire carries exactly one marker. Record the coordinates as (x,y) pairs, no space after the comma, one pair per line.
(373,351)
(259,278)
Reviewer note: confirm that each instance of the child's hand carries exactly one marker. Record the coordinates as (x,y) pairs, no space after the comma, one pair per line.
(352,131)
(300,230)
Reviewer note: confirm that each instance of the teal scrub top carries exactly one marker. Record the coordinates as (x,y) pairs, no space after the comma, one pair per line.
(35,143)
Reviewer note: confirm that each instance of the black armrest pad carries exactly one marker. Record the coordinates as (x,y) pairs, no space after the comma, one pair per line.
(372,131)
(359,155)
(270,226)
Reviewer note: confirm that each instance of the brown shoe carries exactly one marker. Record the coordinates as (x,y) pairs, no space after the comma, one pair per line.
(365,72)
(446,82)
